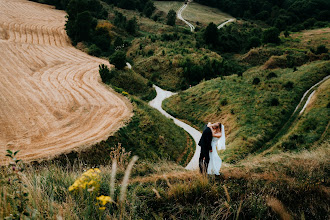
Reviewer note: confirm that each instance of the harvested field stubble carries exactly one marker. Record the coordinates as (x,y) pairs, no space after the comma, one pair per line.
(51,96)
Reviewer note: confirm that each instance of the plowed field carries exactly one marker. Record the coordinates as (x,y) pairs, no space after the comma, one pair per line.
(51,96)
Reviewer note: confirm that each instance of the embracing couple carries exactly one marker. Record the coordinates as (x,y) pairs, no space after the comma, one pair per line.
(213,138)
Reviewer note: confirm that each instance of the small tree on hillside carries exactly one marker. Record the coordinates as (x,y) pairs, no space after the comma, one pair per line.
(132,26)
(171,17)
(271,35)
(211,34)
(118,59)
(84,24)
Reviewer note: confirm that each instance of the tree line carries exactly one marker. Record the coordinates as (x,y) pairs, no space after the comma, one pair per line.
(291,15)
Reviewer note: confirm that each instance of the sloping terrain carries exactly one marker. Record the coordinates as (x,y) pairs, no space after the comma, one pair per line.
(51,96)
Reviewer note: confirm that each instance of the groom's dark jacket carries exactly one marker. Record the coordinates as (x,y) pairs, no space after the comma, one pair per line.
(205,141)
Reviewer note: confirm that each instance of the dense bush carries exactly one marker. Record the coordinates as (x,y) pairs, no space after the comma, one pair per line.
(118,59)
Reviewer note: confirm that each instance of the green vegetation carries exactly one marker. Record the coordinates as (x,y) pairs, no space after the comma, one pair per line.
(289,185)
(311,126)
(118,59)
(171,17)
(149,134)
(254,112)
(293,15)
(198,14)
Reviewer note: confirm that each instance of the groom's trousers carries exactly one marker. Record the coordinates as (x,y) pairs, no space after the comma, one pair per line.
(204,160)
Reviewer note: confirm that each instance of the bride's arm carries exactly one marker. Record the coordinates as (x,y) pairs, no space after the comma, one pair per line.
(217,135)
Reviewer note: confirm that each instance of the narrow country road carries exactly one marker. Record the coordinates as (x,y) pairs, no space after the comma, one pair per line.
(224,23)
(192,28)
(157,104)
(310,96)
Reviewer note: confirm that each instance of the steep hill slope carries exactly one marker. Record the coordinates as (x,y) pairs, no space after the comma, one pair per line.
(51,98)
(252,107)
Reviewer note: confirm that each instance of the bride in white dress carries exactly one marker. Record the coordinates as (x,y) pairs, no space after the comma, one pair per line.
(218,143)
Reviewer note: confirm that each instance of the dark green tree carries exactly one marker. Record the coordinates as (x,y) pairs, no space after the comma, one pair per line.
(132,26)
(171,17)
(271,35)
(84,23)
(211,34)
(118,59)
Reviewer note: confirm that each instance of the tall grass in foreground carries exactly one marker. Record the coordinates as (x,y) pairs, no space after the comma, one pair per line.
(291,185)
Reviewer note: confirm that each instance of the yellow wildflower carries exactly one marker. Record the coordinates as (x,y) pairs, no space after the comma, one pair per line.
(104,199)
(102,208)
(89,179)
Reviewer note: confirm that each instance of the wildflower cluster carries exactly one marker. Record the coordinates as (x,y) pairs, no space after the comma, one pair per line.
(89,179)
(124,93)
(103,200)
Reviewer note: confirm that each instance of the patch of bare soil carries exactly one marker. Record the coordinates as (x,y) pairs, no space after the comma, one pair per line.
(51,96)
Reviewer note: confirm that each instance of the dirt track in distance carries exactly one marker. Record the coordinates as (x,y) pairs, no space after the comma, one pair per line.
(51,96)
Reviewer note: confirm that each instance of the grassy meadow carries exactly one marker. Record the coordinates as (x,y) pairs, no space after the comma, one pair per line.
(195,12)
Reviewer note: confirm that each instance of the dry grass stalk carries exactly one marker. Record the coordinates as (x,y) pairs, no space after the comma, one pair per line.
(120,155)
(157,193)
(167,181)
(239,209)
(113,178)
(126,178)
(226,192)
(279,208)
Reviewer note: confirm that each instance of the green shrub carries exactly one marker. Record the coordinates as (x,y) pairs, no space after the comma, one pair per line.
(271,75)
(256,81)
(94,50)
(274,102)
(105,73)
(118,59)
(321,49)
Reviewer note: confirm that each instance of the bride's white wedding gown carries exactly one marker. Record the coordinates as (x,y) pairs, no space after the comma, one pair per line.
(215,160)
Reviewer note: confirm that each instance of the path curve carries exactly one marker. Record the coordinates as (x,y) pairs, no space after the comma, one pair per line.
(226,22)
(192,28)
(157,104)
(309,97)
(51,96)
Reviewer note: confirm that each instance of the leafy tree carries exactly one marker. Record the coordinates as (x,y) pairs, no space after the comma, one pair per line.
(254,42)
(118,59)
(132,26)
(211,34)
(118,42)
(171,17)
(84,24)
(271,35)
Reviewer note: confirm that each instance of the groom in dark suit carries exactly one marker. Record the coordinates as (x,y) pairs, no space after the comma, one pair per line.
(205,143)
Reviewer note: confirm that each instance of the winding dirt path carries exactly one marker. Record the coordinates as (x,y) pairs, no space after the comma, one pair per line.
(157,104)
(226,22)
(192,28)
(51,96)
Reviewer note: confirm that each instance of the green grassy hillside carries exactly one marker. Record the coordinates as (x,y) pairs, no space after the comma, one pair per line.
(312,125)
(149,135)
(195,13)
(252,107)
